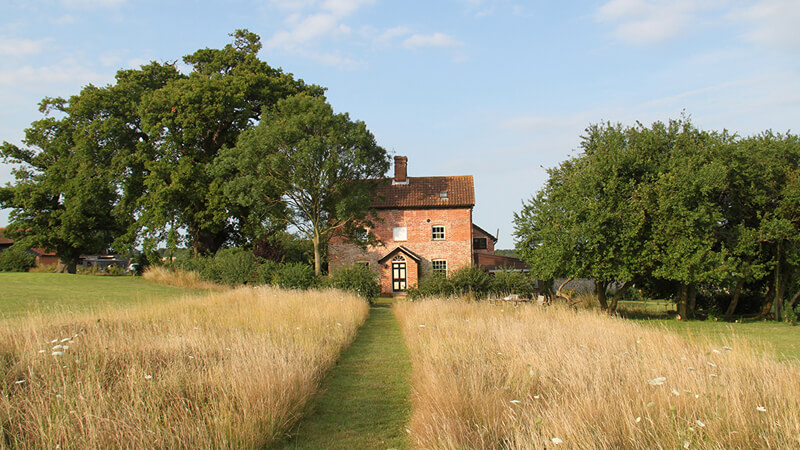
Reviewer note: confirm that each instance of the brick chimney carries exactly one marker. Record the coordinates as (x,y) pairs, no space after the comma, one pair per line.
(400,170)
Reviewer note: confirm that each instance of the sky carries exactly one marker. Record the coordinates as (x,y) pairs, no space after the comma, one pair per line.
(501,90)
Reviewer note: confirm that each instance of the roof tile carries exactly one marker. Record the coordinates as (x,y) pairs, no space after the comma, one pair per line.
(425,192)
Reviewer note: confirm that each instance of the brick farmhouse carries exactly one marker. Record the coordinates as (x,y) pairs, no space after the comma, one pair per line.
(424,225)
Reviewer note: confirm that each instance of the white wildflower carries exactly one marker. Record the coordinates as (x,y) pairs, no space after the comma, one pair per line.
(54,341)
(500,353)
(716,351)
(422,326)
(686,444)
(58,347)
(699,423)
(19,381)
(712,375)
(57,353)
(338,324)
(42,351)
(761,408)
(65,339)
(651,404)
(191,357)
(556,441)
(536,397)
(696,395)
(691,368)
(711,364)
(531,372)
(725,347)
(675,392)
(228,348)
(638,419)
(516,402)
(657,381)
(148,377)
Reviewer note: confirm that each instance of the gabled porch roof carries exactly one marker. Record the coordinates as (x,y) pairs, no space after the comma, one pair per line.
(403,250)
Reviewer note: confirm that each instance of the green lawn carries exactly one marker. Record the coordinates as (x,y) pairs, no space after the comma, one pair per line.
(365,400)
(22,293)
(780,338)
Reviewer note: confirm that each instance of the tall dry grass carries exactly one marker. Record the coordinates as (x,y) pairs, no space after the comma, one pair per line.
(530,377)
(230,370)
(180,278)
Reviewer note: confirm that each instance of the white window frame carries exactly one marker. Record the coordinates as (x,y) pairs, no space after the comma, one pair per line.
(400,234)
(434,233)
(440,269)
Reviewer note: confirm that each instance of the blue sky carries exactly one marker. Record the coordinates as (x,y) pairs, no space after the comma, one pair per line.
(496,89)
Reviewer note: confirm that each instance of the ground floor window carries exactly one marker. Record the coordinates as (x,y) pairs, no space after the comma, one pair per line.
(439,266)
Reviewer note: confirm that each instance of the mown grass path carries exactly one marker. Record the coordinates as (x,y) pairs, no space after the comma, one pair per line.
(365,399)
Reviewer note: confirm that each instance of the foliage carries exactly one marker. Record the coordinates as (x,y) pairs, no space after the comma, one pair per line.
(436,284)
(16,259)
(471,280)
(134,162)
(312,161)
(295,276)
(231,266)
(265,272)
(677,211)
(507,282)
(357,279)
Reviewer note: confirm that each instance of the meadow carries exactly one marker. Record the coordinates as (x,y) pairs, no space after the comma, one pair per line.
(486,376)
(232,369)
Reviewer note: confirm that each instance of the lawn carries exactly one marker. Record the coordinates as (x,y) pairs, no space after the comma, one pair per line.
(22,293)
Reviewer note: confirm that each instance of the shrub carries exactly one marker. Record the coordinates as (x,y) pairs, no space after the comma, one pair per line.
(508,282)
(232,266)
(434,285)
(16,259)
(265,272)
(295,276)
(359,280)
(471,280)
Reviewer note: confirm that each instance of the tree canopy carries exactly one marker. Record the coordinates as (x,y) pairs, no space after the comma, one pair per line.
(675,210)
(156,156)
(311,161)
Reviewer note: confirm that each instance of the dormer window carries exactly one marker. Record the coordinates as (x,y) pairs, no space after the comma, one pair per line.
(443,195)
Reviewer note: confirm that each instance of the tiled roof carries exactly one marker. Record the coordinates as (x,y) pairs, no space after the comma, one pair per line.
(499,262)
(426,192)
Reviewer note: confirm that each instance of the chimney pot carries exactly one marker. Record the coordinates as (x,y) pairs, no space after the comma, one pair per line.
(400,170)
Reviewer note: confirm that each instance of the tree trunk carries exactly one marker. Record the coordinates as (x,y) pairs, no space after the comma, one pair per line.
(560,293)
(681,303)
(691,300)
(795,298)
(735,301)
(67,265)
(612,307)
(766,307)
(600,290)
(780,286)
(317,257)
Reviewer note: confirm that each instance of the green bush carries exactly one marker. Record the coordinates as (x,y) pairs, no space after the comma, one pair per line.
(16,259)
(265,272)
(232,266)
(358,279)
(471,280)
(434,285)
(295,276)
(508,282)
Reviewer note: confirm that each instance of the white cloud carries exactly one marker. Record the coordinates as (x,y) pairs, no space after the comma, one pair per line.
(68,72)
(772,23)
(644,22)
(21,47)
(66,19)
(438,40)
(342,8)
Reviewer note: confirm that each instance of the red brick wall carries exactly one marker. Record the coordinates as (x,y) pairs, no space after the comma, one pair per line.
(456,248)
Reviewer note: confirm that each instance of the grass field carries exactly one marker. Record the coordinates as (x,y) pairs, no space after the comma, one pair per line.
(226,370)
(22,293)
(491,377)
